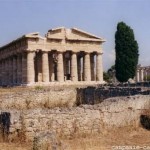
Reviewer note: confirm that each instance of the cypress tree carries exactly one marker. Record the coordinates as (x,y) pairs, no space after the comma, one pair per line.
(126,48)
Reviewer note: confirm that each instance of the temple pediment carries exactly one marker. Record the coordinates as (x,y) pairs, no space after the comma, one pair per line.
(33,35)
(72,34)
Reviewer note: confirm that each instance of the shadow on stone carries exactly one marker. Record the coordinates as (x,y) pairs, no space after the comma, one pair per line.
(4,125)
(145,121)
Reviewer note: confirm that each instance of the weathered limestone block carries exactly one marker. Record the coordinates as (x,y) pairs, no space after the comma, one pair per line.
(46,140)
(124,111)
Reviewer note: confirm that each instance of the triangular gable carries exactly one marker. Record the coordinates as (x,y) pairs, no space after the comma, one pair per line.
(77,34)
(71,34)
(56,33)
(89,35)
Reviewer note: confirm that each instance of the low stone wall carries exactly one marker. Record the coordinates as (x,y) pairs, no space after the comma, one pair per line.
(67,96)
(94,95)
(38,97)
(76,121)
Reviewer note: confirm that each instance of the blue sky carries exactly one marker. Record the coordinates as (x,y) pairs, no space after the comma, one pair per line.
(100,17)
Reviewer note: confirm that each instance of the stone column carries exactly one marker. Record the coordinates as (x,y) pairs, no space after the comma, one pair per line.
(19,70)
(24,68)
(51,69)
(92,68)
(14,70)
(45,67)
(6,71)
(145,74)
(3,72)
(68,67)
(60,68)
(137,76)
(30,67)
(87,67)
(141,75)
(79,69)
(64,62)
(99,67)
(74,74)
(10,71)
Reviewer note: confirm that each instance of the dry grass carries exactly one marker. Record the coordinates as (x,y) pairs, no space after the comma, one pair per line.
(15,146)
(105,141)
(120,137)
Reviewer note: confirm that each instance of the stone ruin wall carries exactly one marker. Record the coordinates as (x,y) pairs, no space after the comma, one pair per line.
(75,121)
(42,97)
(38,97)
(25,113)
(94,95)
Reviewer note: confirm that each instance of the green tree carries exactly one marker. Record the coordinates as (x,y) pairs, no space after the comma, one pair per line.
(111,71)
(106,77)
(126,53)
(110,74)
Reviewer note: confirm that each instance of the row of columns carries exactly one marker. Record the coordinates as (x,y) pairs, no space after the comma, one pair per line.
(142,74)
(20,69)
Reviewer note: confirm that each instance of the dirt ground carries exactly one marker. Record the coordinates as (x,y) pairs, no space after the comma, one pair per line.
(138,139)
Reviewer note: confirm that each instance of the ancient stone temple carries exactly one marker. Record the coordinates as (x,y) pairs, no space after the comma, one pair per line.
(63,55)
(142,73)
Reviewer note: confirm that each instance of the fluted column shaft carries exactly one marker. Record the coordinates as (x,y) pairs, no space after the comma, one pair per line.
(19,70)
(60,68)
(74,74)
(3,67)
(24,68)
(6,71)
(87,67)
(14,69)
(10,70)
(79,69)
(30,67)
(137,76)
(51,69)
(45,67)
(146,75)
(92,68)
(99,67)
(141,75)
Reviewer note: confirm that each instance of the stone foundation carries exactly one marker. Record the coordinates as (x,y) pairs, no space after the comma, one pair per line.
(37,97)
(76,121)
